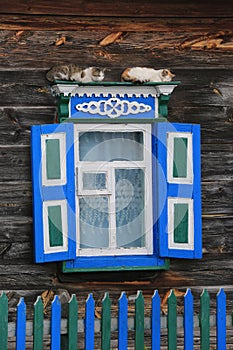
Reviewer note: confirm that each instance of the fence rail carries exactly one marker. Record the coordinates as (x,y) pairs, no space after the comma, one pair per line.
(56,327)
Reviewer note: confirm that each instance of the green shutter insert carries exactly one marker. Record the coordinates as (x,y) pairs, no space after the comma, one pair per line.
(55,226)
(53,168)
(181,223)
(180,157)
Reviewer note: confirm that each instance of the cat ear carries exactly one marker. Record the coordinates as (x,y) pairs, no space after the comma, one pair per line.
(170,73)
(164,72)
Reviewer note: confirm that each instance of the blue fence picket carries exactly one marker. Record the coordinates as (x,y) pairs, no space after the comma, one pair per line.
(56,324)
(21,325)
(90,323)
(155,321)
(123,322)
(221,320)
(188,320)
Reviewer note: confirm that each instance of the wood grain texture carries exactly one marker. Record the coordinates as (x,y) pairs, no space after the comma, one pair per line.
(37,50)
(190,25)
(194,39)
(120,8)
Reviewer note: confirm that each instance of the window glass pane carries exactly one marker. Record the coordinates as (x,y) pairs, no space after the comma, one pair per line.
(94,181)
(110,146)
(94,222)
(129,196)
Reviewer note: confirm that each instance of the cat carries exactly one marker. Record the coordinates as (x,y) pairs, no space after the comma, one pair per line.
(75,73)
(143,75)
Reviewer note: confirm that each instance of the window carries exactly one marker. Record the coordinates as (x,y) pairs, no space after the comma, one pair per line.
(116,196)
(114,189)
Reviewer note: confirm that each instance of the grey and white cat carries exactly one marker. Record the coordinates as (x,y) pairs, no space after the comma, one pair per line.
(75,73)
(144,74)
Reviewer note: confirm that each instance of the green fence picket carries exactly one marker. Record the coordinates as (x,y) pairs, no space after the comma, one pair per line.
(3,321)
(38,326)
(205,320)
(139,322)
(172,322)
(106,323)
(72,323)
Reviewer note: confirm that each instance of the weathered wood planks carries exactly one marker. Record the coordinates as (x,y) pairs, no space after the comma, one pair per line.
(131,8)
(193,40)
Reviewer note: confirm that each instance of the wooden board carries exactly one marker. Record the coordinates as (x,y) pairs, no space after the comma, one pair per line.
(196,42)
(120,8)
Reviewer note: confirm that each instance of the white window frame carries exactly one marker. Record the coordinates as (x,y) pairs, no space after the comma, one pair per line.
(109,168)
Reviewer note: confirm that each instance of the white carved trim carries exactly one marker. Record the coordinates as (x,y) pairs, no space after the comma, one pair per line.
(121,91)
(64,89)
(165,89)
(113,107)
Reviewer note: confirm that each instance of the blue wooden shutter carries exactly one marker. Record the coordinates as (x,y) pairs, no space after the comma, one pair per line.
(53,192)
(178,192)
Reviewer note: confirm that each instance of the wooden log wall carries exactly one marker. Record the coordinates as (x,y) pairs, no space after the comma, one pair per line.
(195,40)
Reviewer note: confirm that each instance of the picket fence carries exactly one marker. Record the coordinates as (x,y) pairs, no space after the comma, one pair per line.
(71,327)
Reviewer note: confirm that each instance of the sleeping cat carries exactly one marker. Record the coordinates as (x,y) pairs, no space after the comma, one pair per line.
(75,73)
(143,75)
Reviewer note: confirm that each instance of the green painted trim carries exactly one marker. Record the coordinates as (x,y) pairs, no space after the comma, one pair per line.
(115,83)
(112,121)
(53,166)
(163,105)
(63,107)
(116,268)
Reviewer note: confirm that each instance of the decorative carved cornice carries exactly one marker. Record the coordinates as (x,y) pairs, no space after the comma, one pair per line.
(112,99)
